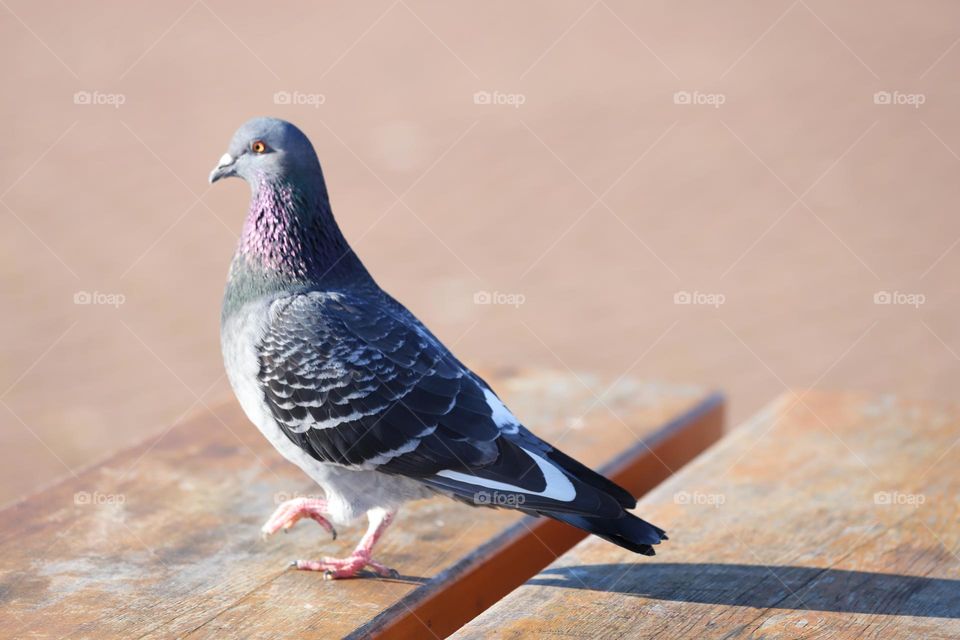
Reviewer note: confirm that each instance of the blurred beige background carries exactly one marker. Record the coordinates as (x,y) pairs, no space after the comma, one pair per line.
(624,153)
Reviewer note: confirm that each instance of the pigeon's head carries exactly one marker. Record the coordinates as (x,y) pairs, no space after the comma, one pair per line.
(269,150)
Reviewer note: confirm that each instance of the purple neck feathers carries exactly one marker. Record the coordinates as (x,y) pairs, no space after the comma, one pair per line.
(290,233)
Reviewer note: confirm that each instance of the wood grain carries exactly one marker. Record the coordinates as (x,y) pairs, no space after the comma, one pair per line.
(832,516)
(162,540)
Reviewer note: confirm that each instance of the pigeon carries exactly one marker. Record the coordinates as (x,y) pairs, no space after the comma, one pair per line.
(351,387)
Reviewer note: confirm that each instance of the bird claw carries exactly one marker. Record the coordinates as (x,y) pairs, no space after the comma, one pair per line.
(291,511)
(349,567)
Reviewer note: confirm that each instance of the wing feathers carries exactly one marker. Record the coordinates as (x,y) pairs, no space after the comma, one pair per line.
(361,383)
(354,385)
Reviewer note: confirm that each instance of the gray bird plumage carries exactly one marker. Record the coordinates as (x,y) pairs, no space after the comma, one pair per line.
(347,384)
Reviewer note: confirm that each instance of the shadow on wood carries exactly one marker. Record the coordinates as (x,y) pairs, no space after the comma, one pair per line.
(766,586)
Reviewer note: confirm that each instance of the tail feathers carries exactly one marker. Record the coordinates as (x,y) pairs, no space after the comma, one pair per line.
(585,474)
(545,481)
(628,531)
(532,480)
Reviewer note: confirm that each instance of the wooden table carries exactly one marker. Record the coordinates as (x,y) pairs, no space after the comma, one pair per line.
(162,540)
(828,515)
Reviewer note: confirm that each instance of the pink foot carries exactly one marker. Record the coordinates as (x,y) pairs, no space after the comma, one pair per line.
(362,556)
(289,512)
(349,567)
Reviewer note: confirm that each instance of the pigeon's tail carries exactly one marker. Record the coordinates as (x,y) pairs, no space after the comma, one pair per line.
(627,531)
(585,474)
(544,481)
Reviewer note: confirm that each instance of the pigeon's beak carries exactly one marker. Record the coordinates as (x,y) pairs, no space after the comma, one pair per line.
(224,168)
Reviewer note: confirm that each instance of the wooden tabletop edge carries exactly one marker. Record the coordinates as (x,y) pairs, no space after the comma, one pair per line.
(713,401)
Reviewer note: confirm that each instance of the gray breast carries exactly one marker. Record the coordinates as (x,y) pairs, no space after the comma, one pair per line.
(240,333)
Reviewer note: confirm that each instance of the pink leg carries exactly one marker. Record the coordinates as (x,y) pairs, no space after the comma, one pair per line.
(362,556)
(289,512)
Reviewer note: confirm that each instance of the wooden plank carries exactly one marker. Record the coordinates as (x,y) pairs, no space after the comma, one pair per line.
(832,516)
(162,540)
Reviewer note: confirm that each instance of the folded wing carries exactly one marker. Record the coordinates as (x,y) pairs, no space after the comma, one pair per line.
(363,384)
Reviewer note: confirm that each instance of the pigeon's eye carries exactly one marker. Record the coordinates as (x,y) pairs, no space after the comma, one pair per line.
(258,146)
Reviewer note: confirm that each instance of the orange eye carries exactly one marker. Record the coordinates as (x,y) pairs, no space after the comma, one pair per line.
(258,146)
